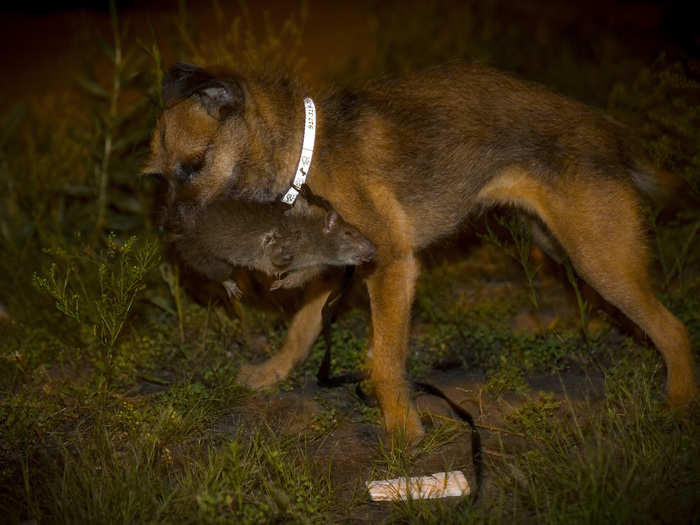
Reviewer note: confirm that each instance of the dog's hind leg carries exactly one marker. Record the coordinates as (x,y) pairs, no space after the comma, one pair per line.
(598,222)
(600,226)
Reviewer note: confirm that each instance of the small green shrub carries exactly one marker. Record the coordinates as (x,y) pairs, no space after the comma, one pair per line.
(98,290)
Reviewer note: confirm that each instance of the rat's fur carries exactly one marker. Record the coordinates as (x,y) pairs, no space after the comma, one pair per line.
(269,238)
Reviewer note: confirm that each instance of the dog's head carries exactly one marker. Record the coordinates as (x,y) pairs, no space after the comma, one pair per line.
(217,136)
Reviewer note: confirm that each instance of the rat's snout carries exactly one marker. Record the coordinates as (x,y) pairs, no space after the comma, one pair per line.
(369,252)
(364,252)
(355,248)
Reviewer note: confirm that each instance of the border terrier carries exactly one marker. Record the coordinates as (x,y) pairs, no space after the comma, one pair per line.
(406,161)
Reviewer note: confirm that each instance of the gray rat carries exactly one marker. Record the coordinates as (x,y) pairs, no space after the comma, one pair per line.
(271,238)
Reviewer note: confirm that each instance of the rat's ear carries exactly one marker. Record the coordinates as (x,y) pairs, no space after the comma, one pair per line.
(331,221)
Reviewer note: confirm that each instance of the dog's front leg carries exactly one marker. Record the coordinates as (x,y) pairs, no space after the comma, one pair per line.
(391,288)
(302,332)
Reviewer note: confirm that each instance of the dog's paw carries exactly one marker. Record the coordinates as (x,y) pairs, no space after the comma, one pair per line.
(684,399)
(681,388)
(262,375)
(404,426)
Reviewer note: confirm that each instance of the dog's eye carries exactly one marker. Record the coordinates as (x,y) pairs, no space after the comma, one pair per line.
(186,171)
(152,179)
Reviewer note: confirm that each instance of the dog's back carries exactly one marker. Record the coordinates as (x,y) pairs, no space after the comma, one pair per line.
(436,139)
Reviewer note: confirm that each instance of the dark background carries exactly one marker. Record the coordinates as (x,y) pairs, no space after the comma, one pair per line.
(40,40)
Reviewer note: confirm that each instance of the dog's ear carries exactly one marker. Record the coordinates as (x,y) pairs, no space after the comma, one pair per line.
(220,97)
(182,80)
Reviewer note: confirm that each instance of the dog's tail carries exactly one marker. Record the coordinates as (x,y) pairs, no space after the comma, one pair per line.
(664,189)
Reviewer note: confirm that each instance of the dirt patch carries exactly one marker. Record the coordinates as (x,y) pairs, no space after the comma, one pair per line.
(351,450)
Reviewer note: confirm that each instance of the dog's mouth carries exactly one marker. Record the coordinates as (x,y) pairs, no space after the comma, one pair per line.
(178,218)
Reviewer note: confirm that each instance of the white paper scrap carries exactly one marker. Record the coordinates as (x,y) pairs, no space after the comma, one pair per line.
(439,485)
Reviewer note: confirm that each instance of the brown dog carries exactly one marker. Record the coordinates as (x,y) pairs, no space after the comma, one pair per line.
(406,162)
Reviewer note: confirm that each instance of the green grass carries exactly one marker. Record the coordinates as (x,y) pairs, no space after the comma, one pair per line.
(118,395)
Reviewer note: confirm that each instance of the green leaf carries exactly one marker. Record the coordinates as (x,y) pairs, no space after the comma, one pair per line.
(92,87)
(78,190)
(126,202)
(131,139)
(120,222)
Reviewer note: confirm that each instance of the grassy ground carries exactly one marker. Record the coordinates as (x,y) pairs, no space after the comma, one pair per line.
(118,401)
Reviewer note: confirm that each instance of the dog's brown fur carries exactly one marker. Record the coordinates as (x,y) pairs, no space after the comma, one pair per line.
(406,161)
